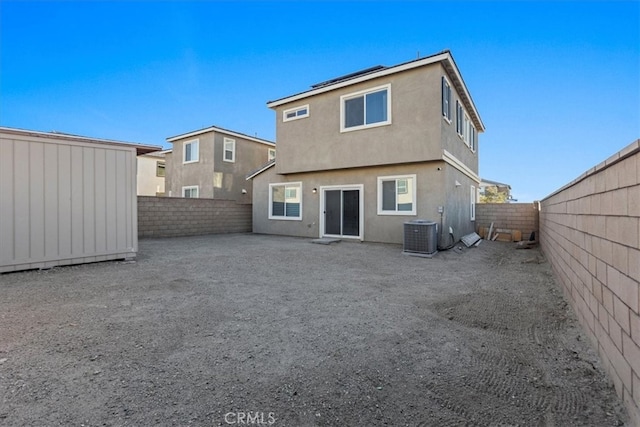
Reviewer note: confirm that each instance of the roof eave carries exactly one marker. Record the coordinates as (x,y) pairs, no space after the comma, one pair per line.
(140,148)
(445,57)
(219,130)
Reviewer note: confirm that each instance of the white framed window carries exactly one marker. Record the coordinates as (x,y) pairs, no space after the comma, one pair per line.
(446,99)
(272,154)
(160,169)
(229,154)
(397,195)
(473,139)
(472,211)
(285,201)
(364,109)
(191,151)
(191,192)
(466,129)
(459,116)
(295,113)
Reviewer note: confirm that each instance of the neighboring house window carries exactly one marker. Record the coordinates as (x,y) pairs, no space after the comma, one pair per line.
(473,203)
(295,113)
(397,195)
(160,169)
(446,99)
(285,201)
(190,192)
(366,108)
(272,154)
(191,151)
(229,150)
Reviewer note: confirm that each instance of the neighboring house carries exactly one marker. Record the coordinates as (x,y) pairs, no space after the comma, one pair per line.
(494,192)
(213,163)
(66,199)
(360,155)
(151,174)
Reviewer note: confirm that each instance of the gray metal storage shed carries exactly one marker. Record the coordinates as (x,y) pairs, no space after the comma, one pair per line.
(66,199)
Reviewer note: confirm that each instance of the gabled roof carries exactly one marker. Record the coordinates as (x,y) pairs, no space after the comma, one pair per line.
(443,57)
(261,169)
(140,148)
(488,183)
(220,130)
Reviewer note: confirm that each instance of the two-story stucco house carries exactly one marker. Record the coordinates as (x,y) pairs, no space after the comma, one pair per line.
(360,155)
(213,163)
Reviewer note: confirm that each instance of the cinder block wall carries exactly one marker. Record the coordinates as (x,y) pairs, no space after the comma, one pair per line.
(590,233)
(511,216)
(175,216)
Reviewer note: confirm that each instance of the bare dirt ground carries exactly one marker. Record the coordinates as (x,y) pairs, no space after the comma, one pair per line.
(249,330)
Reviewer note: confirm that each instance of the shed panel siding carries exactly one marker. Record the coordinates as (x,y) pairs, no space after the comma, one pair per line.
(65,202)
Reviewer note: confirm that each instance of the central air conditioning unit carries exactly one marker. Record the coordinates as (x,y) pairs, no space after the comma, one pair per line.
(420,238)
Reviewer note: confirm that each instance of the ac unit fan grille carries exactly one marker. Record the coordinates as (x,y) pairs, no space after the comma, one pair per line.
(421,237)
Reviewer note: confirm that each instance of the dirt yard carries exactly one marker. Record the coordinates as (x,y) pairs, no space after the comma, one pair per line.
(250,330)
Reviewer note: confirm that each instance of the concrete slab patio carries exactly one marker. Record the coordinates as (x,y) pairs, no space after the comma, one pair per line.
(228,329)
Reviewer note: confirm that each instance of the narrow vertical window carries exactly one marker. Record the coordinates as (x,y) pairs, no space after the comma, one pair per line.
(229,150)
(472,211)
(446,99)
(191,151)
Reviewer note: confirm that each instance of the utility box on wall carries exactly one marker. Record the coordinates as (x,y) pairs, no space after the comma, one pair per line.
(66,199)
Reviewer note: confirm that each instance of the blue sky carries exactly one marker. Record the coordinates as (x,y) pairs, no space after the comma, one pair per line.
(557,83)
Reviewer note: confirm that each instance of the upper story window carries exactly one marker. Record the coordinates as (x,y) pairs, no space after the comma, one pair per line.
(160,169)
(459,115)
(465,128)
(190,192)
(191,151)
(272,154)
(295,113)
(229,150)
(446,99)
(397,195)
(285,201)
(367,108)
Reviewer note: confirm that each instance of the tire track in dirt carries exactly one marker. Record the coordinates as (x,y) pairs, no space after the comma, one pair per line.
(510,344)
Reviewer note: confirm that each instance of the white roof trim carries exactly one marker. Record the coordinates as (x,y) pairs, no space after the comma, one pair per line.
(440,57)
(453,161)
(220,130)
(259,171)
(142,148)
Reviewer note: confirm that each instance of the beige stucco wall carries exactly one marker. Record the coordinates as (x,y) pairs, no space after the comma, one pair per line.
(65,202)
(590,233)
(148,182)
(417,131)
(377,228)
(215,177)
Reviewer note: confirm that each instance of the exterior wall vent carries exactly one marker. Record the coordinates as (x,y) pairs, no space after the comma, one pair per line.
(420,238)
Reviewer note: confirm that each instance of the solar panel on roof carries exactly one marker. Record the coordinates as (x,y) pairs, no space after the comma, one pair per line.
(349,76)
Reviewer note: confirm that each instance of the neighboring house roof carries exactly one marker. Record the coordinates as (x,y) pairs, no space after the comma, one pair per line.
(220,130)
(140,148)
(261,169)
(158,154)
(443,57)
(489,183)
